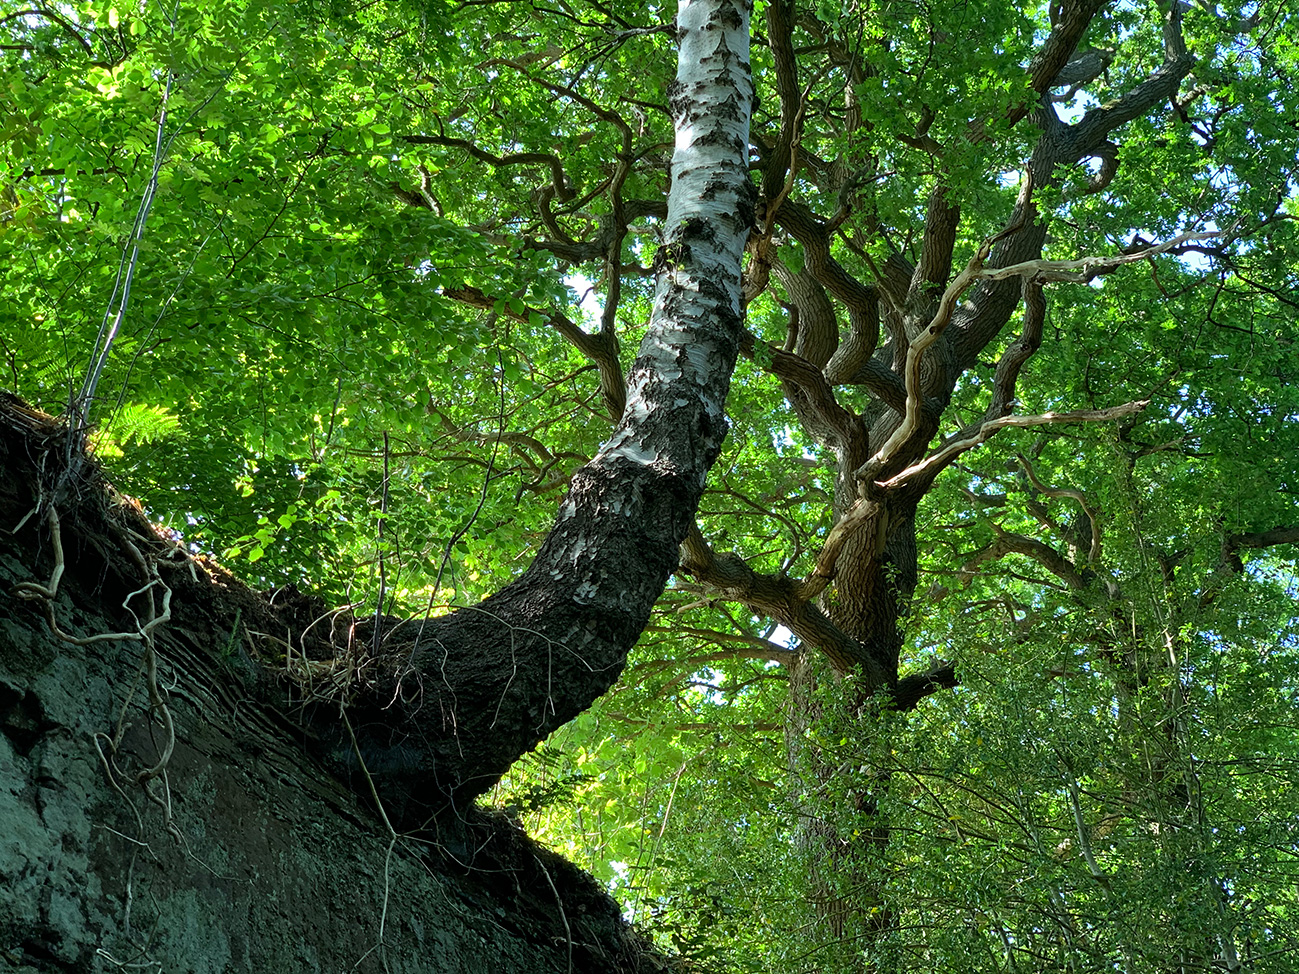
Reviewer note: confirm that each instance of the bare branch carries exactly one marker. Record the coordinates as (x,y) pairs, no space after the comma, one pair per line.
(1005,377)
(954,448)
(1085,269)
(545,471)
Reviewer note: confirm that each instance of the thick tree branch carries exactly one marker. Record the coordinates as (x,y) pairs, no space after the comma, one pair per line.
(911,423)
(815,332)
(858,517)
(1258,540)
(1091,130)
(1085,68)
(942,219)
(1006,376)
(853,363)
(914,687)
(780,40)
(815,337)
(882,382)
(811,394)
(52,16)
(779,598)
(1046,556)
(445,715)
(860,300)
(1107,153)
(1003,384)
(1067,30)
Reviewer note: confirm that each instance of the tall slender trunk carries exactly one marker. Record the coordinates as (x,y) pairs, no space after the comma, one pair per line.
(869,604)
(465,695)
(843,844)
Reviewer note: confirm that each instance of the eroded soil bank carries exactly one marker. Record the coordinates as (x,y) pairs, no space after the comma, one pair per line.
(194,829)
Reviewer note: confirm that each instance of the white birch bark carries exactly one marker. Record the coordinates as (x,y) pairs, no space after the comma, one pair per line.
(486,684)
(710,211)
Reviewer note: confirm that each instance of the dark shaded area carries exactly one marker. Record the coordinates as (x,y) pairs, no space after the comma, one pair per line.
(244,852)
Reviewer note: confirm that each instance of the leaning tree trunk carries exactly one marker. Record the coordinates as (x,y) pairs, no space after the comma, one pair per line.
(463,696)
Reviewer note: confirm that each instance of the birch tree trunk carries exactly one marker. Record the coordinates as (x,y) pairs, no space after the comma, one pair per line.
(461,697)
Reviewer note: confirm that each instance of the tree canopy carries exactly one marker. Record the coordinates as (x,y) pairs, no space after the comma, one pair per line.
(980,653)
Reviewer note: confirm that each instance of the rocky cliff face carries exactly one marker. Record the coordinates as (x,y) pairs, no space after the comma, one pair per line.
(196,832)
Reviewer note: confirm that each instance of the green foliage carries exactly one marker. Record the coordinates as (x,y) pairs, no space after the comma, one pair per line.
(303,319)
(132,422)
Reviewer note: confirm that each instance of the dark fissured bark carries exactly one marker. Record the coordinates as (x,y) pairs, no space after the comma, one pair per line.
(468,693)
(463,696)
